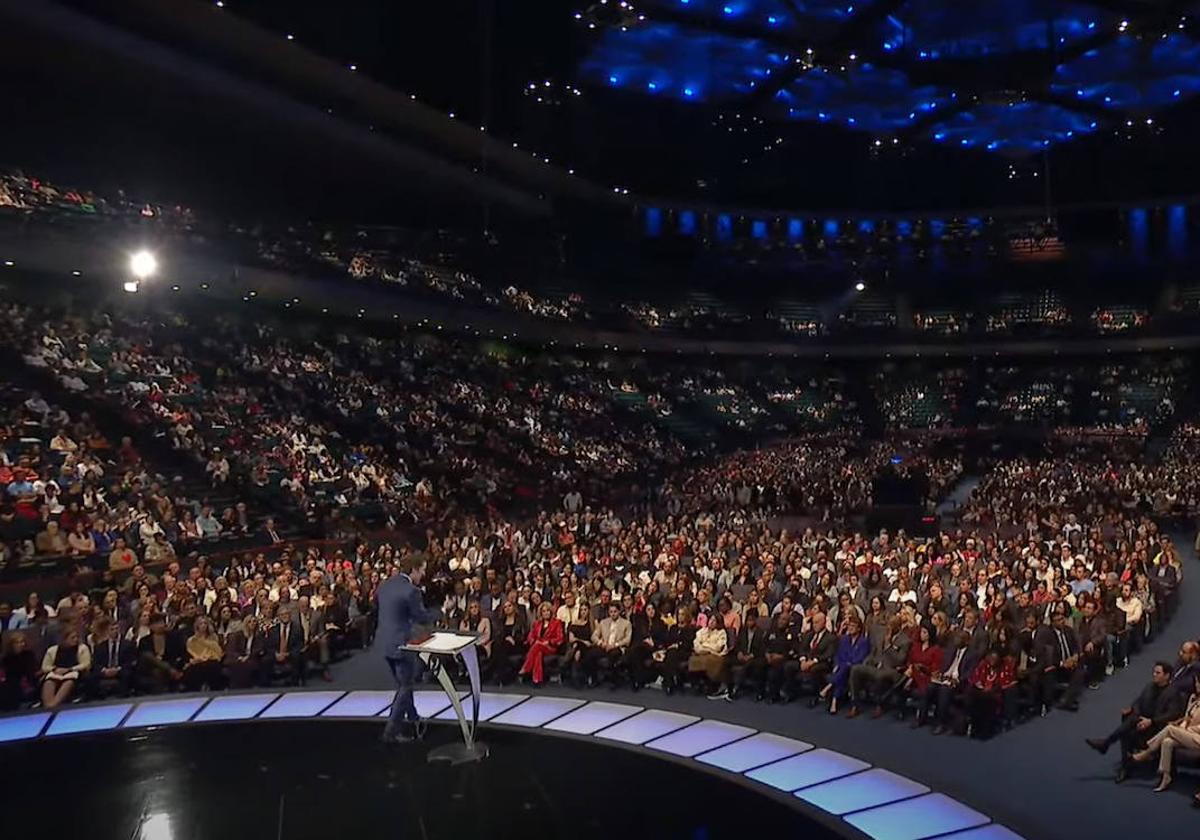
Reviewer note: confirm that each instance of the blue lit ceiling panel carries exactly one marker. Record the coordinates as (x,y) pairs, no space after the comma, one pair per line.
(865,97)
(1128,73)
(954,29)
(1019,128)
(663,59)
(831,9)
(784,15)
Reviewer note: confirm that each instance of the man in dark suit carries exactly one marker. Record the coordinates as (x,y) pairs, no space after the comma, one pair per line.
(780,652)
(493,599)
(245,655)
(270,531)
(401,610)
(1185,670)
(310,621)
(285,648)
(948,681)
(1030,669)
(817,649)
(112,662)
(1093,641)
(748,663)
(882,670)
(1154,708)
(1163,581)
(1061,661)
(978,640)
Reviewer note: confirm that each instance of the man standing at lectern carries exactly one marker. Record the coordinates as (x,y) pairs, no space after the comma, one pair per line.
(401,610)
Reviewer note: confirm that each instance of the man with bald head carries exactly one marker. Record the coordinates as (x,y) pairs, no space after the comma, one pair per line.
(1187,668)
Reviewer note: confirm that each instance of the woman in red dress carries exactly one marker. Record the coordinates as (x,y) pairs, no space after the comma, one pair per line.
(545,638)
(924,659)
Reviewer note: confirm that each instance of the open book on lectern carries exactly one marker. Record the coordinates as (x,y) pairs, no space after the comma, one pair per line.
(444,641)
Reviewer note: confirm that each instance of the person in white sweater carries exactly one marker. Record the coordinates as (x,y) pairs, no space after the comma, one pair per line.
(62,665)
(709,655)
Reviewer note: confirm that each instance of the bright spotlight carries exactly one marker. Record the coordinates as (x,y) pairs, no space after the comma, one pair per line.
(131,286)
(860,286)
(155,827)
(143,265)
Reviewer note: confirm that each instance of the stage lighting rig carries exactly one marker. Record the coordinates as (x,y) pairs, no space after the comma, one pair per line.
(610,14)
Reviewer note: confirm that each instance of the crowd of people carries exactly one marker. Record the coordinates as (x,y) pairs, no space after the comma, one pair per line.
(412,427)
(1041,601)
(210,623)
(74,495)
(585,541)
(430,263)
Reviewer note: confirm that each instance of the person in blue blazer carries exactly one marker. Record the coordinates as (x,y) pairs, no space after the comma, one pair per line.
(401,611)
(853,647)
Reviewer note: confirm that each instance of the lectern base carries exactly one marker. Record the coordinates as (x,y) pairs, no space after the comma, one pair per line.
(458,753)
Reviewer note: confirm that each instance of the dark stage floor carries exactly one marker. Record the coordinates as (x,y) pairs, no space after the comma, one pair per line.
(333,779)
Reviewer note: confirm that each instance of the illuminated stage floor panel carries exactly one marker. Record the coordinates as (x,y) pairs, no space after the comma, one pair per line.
(592,717)
(700,737)
(869,789)
(429,703)
(232,707)
(490,705)
(538,711)
(915,819)
(763,748)
(807,769)
(646,726)
(22,727)
(164,712)
(360,704)
(88,719)
(872,801)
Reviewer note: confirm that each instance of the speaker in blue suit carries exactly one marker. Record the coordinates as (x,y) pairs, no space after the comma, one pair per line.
(402,611)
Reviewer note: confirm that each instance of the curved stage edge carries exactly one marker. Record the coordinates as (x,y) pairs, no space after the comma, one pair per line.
(849,795)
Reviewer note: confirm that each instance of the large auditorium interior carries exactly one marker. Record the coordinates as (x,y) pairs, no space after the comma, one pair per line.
(688,419)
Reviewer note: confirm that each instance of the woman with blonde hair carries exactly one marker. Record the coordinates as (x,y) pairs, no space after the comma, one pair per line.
(203,667)
(545,638)
(62,666)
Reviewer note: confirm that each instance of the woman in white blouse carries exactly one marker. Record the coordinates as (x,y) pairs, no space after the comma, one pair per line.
(62,666)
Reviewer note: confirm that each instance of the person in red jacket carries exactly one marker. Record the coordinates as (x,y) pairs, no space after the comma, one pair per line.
(924,658)
(992,692)
(545,638)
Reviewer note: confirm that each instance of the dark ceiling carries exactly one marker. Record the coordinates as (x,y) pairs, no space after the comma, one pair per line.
(539,74)
(1012,66)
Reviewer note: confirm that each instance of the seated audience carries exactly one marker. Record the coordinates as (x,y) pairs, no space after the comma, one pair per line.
(19,672)
(545,638)
(63,666)
(1182,733)
(610,642)
(203,668)
(1157,705)
(285,649)
(709,648)
(881,672)
(246,661)
(160,658)
(113,660)
(853,649)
